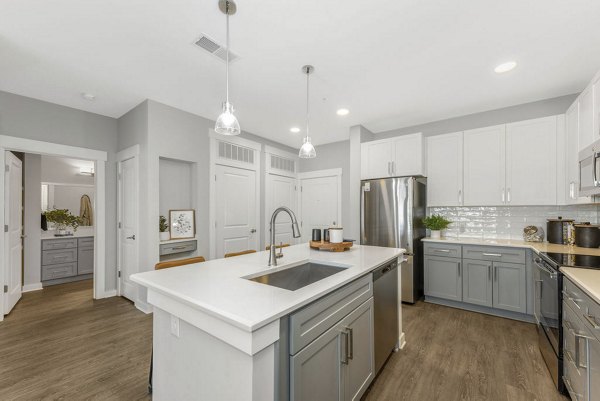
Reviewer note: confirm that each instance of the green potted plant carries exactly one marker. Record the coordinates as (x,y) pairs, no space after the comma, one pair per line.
(163,228)
(62,219)
(436,223)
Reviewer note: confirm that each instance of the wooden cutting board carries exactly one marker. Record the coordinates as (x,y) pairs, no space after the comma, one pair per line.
(328,246)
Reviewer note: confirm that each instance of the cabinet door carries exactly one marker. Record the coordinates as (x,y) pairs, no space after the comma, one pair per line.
(359,372)
(445,170)
(85,260)
(572,159)
(596,109)
(477,282)
(484,166)
(586,117)
(509,287)
(315,372)
(408,155)
(443,278)
(594,362)
(376,159)
(531,167)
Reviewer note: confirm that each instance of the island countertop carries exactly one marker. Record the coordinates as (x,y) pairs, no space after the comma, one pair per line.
(219,287)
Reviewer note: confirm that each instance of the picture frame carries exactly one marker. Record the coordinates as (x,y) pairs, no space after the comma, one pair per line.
(182,223)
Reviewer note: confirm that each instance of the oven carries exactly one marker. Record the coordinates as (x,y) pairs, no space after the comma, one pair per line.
(548,314)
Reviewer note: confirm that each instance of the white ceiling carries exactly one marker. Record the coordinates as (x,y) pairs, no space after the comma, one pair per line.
(393,63)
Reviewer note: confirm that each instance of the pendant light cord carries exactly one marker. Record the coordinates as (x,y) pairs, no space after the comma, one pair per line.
(227,51)
(307,97)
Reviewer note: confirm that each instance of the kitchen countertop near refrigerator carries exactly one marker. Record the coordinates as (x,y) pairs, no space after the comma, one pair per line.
(537,247)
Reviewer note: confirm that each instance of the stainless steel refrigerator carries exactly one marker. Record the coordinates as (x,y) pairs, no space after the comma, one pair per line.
(391,214)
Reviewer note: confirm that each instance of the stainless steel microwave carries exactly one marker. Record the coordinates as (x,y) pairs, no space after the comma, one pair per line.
(589,170)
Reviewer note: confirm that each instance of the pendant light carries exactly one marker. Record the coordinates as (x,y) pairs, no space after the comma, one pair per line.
(227,123)
(307,151)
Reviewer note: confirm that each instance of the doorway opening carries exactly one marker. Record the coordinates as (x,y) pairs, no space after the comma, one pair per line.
(60,189)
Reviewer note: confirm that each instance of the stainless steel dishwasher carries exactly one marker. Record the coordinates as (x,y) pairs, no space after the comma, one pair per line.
(385,300)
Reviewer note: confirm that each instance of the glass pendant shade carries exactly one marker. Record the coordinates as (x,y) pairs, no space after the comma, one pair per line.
(307,151)
(227,123)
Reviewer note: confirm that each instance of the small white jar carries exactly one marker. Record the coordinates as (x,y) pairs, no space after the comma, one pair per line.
(336,235)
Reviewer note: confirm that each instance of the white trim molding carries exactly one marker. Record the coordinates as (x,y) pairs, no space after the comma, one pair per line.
(10,143)
(31,287)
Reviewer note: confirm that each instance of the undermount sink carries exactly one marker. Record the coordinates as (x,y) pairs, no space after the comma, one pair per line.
(294,278)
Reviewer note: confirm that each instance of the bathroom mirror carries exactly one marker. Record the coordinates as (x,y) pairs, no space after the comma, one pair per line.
(78,199)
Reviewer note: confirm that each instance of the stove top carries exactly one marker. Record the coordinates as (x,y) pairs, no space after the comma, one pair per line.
(571,260)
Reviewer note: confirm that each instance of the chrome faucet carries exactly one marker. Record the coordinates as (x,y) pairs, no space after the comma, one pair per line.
(295,232)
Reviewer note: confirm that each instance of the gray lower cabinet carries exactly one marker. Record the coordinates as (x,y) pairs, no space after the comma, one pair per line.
(67,259)
(581,343)
(443,277)
(477,282)
(339,364)
(510,292)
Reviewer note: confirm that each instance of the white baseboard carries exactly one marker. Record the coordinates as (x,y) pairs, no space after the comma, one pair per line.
(402,340)
(111,293)
(144,307)
(31,287)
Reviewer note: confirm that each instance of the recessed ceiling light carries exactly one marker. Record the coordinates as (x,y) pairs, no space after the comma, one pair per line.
(295,130)
(343,112)
(88,96)
(505,67)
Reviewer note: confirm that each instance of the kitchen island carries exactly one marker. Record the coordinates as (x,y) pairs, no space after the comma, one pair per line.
(220,336)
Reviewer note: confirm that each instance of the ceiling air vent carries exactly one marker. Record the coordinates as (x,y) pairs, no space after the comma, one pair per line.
(214,48)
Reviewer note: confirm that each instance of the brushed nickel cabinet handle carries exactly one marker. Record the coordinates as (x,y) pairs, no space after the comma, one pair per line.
(591,320)
(351,342)
(497,255)
(345,348)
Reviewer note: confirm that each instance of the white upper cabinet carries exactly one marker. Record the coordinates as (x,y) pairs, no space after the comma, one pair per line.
(394,157)
(445,170)
(531,162)
(586,117)
(376,159)
(572,156)
(596,108)
(484,166)
(409,151)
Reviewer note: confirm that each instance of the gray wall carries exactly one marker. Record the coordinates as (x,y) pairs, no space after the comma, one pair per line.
(42,121)
(333,155)
(32,173)
(526,111)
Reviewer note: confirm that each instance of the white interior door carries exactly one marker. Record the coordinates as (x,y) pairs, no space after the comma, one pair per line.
(320,204)
(128,219)
(281,191)
(13,218)
(235,208)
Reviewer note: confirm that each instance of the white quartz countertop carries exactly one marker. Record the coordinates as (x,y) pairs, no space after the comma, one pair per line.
(218,287)
(81,232)
(587,279)
(535,246)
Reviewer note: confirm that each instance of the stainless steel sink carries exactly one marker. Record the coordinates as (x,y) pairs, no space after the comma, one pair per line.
(296,277)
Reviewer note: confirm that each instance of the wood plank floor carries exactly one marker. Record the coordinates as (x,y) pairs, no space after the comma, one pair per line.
(453,354)
(60,344)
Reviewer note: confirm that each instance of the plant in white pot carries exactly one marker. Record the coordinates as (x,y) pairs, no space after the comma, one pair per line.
(62,219)
(436,223)
(163,228)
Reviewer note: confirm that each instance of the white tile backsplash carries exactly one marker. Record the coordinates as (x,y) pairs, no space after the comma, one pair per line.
(507,222)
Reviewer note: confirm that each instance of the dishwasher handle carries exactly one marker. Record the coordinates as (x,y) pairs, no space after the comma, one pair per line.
(382,271)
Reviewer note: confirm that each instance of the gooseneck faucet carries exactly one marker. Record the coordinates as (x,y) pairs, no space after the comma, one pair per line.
(295,232)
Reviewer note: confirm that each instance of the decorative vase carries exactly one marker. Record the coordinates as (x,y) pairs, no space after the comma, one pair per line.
(165,236)
(436,234)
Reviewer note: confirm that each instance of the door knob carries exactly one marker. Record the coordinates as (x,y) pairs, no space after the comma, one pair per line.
(252,231)
(132,237)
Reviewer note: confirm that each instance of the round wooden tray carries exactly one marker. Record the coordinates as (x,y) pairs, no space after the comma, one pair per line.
(328,246)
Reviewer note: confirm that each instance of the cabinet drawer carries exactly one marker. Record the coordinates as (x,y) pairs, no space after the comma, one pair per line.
(59,256)
(440,249)
(49,244)
(494,254)
(85,243)
(178,247)
(313,320)
(576,357)
(59,271)
(583,306)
